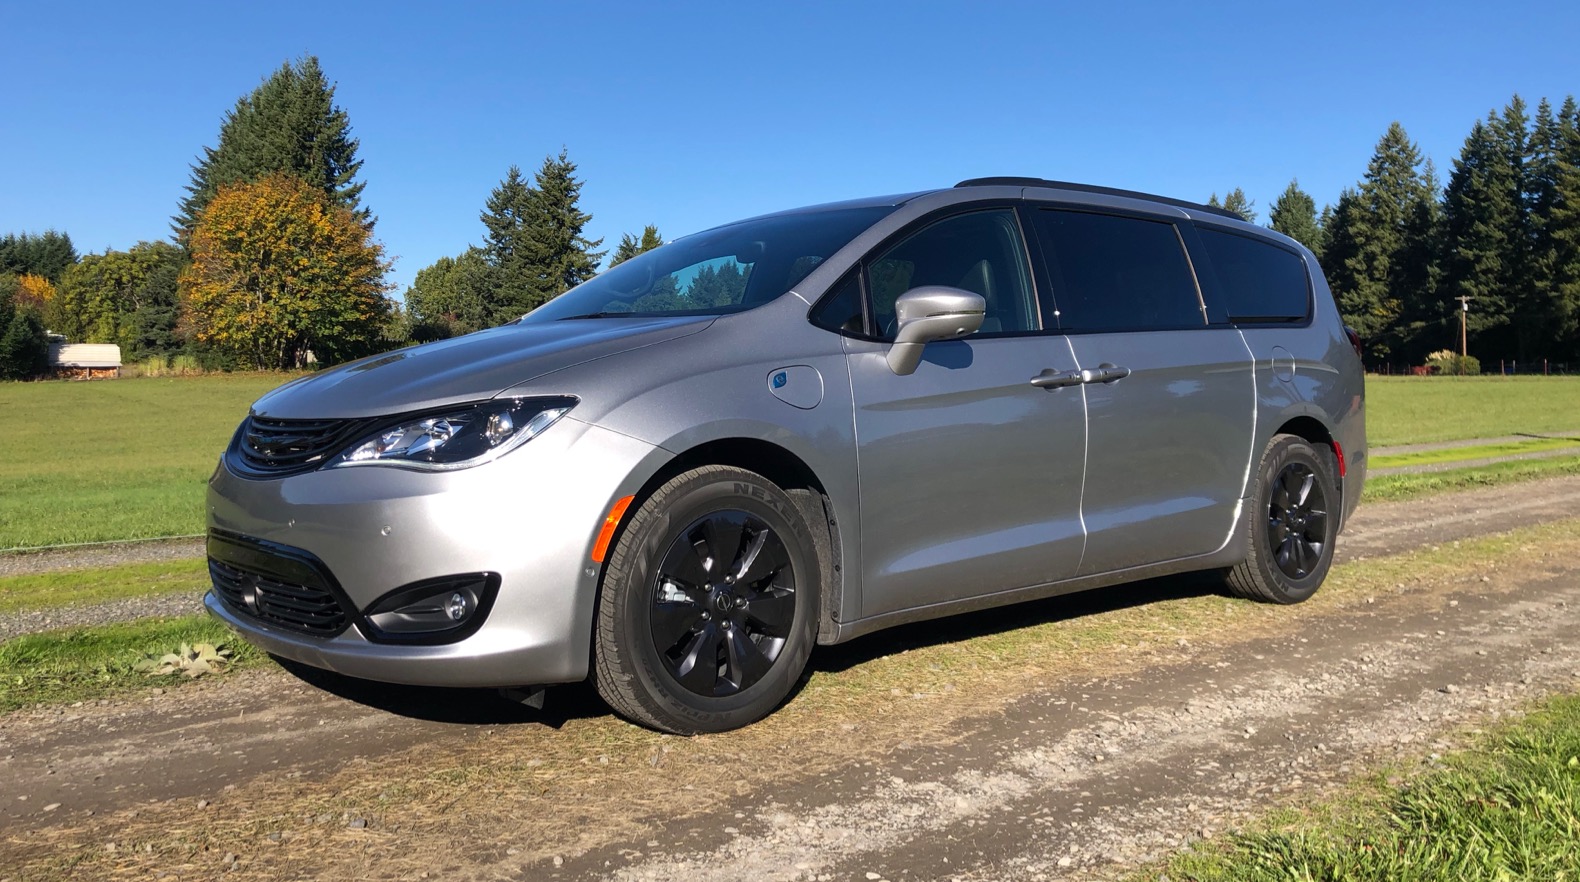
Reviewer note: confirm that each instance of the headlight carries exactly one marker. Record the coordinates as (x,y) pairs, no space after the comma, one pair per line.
(457,439)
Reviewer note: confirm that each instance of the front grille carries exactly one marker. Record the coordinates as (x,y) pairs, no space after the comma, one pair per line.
(304,608)
(279,447)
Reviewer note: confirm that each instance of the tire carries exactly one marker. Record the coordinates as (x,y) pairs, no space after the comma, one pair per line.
(1293,526)
(688,642)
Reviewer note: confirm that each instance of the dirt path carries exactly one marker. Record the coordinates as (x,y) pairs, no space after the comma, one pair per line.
(1078,773)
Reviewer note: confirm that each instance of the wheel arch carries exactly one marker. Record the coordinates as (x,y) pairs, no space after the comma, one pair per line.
(1318,435)
(791,473)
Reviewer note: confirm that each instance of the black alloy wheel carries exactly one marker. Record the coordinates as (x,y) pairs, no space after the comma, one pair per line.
(723,603)
(1297,516)
(709,604)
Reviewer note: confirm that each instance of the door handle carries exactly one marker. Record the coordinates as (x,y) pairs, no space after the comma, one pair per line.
(1104,373)
(1051,379)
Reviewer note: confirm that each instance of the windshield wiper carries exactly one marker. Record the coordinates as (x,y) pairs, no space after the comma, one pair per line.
(587,315)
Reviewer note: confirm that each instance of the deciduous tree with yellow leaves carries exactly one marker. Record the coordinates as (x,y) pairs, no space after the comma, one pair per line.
(280,272)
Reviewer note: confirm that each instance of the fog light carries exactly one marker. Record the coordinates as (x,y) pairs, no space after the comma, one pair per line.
(439,610)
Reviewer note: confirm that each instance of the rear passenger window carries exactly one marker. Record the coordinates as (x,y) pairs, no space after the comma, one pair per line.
(1261,281)
(1118,273)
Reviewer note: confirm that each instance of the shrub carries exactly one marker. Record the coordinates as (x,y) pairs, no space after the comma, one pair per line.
(1447,361)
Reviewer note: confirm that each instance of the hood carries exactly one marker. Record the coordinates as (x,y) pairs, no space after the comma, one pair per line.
(470,368)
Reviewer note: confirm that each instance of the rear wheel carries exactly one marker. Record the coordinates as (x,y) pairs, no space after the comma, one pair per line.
(709,604)
(1293,525)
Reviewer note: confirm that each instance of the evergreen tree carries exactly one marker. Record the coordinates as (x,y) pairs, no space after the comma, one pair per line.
(1371,246)
(630,246)
(1559,233)
(1236,202)
(1424,316)
(47,254)
(288,124)
(560,256)
(1324,221)
(1294,213)
(507,250)
(1482,218)
(24,348)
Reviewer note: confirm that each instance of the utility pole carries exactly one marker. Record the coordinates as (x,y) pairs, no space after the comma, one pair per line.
(1464,310)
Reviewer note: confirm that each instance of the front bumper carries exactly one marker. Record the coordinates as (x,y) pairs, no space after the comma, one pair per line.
(531,517)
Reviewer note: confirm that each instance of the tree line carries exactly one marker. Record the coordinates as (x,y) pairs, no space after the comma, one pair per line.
(272,261)
(1401,248)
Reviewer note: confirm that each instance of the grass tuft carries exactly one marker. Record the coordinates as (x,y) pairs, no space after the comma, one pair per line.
(84,664)
(1509,808)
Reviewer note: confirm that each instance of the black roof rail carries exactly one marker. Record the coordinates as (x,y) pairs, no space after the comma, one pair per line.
(1090,188)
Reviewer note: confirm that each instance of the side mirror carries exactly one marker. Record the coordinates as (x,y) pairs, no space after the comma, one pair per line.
(931,312)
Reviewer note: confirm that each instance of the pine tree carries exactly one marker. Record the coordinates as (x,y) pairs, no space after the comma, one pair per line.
(1424,315)
(288,124)
(47,254)
(507,250)
(1237,203)
(1482,220)
(1371,255)
(1559,235)
(560,256)
(630,246)
(1294,213)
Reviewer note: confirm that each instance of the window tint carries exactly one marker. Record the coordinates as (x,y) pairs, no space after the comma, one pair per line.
(980,252)
(1117,273)
(840,310)
(1261,281)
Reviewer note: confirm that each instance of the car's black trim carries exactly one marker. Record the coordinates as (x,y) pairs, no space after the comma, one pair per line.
(484,585)
(286,568)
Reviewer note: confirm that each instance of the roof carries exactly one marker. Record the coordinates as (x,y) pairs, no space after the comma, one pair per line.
(84,355)
(1091,188)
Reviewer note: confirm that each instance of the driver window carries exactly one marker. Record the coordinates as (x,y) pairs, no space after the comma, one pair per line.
(979,252)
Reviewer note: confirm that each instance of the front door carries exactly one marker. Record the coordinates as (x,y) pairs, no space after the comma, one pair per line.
(970,476)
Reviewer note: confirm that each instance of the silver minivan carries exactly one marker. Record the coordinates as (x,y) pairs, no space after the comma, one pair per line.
(681,475)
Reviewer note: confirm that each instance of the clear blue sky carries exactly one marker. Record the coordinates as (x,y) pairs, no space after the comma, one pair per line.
(719,111)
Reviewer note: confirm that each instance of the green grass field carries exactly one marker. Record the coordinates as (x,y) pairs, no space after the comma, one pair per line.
(127,459)
(119,459)
(1415,410)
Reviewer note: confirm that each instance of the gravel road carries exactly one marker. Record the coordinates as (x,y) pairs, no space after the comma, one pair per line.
(1084,775)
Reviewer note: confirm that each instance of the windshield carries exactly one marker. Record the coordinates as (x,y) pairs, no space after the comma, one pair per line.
(726,269)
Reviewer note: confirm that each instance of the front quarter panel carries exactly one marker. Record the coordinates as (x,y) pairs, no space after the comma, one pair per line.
(717,385)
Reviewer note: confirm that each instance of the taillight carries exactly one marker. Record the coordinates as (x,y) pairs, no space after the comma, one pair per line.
(1355,339)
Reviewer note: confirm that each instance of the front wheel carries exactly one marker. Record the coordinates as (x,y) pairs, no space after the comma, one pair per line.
(709,606)
(1293,525)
